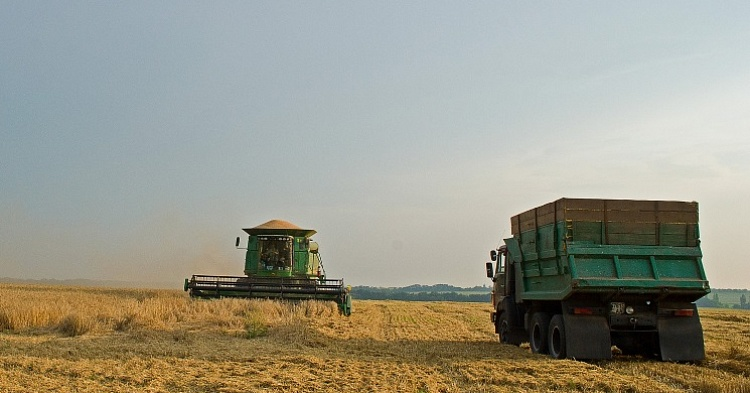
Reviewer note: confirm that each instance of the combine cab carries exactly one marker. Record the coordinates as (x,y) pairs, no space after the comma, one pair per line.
(282,262)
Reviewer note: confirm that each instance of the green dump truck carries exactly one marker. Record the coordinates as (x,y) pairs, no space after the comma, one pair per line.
(581,276)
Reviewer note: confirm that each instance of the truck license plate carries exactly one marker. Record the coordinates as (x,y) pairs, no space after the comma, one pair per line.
(617,308)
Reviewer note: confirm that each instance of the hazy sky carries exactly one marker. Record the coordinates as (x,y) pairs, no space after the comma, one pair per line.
(139,137)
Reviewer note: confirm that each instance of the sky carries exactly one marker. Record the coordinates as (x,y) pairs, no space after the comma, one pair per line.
(138,138)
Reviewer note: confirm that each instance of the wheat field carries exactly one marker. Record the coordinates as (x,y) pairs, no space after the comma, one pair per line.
(70,339)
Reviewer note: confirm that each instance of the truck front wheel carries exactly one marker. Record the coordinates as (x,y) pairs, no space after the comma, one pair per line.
(503,328)
(556,337)
(538,332)
(508,333)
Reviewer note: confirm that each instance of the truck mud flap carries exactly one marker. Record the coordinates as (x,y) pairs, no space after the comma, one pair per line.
(587,337)
(681,339)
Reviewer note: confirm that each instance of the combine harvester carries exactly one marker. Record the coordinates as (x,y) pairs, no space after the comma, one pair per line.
(282,262)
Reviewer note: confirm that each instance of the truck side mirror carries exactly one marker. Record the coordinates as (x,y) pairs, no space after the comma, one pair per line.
(493,255)
(490,270)
(237,242)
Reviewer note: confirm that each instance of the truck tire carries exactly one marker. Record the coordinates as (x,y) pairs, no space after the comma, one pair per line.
(538,332)
(503,328)
(556,338)
(507,333)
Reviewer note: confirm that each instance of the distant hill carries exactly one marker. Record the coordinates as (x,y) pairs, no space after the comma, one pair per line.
(417,292)
(718,298)
(726,298)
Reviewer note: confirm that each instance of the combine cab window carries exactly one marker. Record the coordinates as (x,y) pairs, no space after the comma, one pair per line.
(275,253)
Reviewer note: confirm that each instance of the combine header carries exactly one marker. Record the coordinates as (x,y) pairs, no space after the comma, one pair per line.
(282,262)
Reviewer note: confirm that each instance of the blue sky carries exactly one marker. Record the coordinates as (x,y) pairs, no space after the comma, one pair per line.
(138,138)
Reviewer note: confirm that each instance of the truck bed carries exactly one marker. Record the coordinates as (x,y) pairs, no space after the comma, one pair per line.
(595,245)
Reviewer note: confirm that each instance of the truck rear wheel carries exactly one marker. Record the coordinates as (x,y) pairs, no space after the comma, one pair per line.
(538,332)
(556,339)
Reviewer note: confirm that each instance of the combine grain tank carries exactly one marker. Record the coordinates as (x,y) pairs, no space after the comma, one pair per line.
(281,262)
(581,275)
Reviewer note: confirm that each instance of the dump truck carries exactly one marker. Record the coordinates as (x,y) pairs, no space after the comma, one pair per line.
(581,278)
(281,262)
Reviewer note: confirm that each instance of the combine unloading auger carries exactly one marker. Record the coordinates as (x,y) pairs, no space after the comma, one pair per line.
(282,262)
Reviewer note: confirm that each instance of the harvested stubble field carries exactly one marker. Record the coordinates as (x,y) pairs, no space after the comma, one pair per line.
(113,340)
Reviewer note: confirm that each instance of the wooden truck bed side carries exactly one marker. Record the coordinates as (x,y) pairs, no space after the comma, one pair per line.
(599,245)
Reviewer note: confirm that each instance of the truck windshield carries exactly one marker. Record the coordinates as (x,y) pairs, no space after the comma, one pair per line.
(275,253)
(501,263)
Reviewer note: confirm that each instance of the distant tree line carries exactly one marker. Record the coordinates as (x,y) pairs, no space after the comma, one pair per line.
(733,298)
(713,299)
(440,288)
(423,293)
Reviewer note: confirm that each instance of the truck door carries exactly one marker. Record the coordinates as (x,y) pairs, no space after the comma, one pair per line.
(509,276)
(502,275)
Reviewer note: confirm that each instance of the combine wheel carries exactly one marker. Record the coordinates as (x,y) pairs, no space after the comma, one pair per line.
(346,307)
(538,332)
(556,339)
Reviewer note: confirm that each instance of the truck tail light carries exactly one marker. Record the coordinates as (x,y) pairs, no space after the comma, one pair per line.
(583,310)
(684,312)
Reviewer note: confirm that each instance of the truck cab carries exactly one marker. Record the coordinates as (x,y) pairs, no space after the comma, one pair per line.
(506,314)
(497,272)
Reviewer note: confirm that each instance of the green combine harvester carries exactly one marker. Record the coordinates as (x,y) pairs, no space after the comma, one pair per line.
(282,262)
